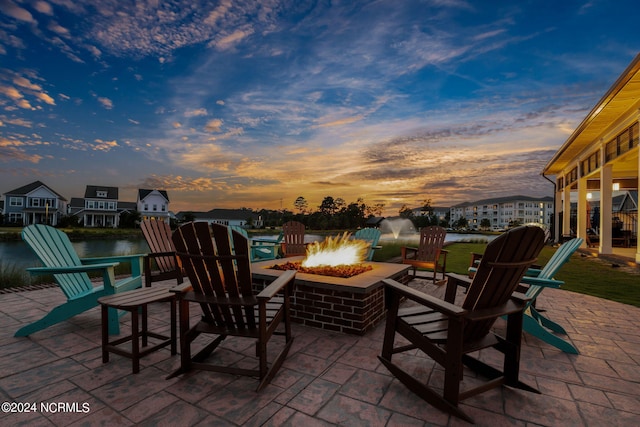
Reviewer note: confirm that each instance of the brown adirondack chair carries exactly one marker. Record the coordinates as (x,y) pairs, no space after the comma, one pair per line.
(429,253)
(447,333)
(162,253)
(222,285)
(293,239)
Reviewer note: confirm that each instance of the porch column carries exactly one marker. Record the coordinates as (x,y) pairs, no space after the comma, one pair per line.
(581,223)
(606,206)
(557,208)
(637,218)
(566,210)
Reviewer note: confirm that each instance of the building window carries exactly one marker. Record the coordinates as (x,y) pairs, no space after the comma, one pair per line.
(15,201)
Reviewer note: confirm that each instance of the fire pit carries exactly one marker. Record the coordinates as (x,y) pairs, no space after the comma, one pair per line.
(345,304)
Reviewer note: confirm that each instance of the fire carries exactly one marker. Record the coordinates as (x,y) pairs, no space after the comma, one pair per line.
(334,251)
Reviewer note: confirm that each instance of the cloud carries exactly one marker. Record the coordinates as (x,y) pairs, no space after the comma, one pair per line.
(181,183)
(213,125)
(11,151)
(105,102)
(196,113)
(104,145)
(11,9)
(43,7)
(228,41)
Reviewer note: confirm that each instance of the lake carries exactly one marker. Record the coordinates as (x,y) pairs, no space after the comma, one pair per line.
(18,253)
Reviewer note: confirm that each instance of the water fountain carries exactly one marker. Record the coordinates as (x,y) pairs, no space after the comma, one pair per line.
(396,226)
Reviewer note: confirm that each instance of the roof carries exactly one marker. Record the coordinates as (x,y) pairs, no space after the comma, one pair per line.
(505,199)
(143,193)
(622,97)
(26,189)
(91,192)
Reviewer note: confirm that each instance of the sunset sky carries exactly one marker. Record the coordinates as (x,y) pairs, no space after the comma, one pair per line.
(229,104)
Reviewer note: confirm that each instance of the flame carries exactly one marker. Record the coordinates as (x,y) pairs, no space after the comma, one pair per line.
(334,251)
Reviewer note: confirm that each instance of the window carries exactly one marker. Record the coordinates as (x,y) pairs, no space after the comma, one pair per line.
(15,201)
(101,193)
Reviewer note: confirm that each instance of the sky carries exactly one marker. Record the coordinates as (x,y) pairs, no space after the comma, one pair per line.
(232,103)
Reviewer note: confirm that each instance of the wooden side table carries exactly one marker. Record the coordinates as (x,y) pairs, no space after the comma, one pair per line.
(136,301)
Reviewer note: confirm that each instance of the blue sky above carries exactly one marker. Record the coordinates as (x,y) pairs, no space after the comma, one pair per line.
(254,103)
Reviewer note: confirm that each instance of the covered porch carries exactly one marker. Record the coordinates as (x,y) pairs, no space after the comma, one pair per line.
(599,165)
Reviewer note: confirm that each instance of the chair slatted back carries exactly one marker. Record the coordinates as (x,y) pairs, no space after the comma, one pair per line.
(551,268)
(214,269)
(370,235)
(293,239)
(157,234)
(505,260)
(431,242)
(53,248)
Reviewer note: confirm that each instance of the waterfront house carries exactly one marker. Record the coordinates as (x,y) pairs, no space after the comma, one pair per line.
(153,204)
(98,208)
(597,162)
(34,203)
(236,217)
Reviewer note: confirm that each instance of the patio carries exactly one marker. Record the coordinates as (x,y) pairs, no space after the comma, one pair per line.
(329,378)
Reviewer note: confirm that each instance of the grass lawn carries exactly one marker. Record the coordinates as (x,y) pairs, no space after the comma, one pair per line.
(581,274)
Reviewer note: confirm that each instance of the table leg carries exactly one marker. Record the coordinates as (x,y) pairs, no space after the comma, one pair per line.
(105,333)
(135,342)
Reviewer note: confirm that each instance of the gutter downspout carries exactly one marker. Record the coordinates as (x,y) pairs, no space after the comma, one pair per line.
(555,214)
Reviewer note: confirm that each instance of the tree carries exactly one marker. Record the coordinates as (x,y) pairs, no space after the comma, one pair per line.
(485,224)
(426,208)
(406,212)
(462,222)
(328,206)
(129,219)
(301,204)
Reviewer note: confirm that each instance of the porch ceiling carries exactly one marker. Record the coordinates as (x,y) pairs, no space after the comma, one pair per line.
(621,98)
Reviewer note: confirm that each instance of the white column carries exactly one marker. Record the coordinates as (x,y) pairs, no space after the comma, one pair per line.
(581,225)
(566,210)
(606,194)
(557,208)
(637,227)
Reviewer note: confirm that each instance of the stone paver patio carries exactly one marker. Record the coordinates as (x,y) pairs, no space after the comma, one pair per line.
(328,378)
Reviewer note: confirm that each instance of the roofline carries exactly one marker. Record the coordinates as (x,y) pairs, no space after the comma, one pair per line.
(624,78)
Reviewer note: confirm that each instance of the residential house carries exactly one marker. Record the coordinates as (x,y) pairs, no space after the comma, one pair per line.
(34,203)
(599,159)
(237,217)
(502,212)
(153,204)
(98,208)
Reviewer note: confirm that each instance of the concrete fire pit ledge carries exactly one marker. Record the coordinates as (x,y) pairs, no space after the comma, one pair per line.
(350,305)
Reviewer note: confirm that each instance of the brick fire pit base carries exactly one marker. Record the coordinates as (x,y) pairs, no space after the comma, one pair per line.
(352,305)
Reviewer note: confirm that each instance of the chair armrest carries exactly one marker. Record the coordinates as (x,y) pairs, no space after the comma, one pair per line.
(276,286)
(533,272)
(547,283)
(260,242)
(181,289)
(424,299)
(407,251)
(507,308)
(161,254)
(117,258)
(71,269)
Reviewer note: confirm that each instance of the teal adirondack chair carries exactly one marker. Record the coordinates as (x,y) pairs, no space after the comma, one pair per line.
(55,251)
(265,249)
(258,251)
(538,279)
(371,235)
